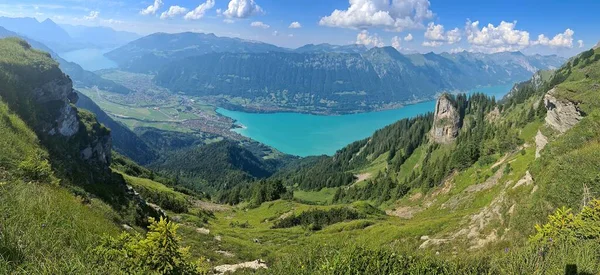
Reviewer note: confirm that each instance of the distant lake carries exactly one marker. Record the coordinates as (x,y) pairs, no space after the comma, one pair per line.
(307,135)
(90,59)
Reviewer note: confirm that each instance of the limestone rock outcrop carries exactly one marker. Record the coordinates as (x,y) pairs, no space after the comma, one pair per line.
(562,115)
(446,121)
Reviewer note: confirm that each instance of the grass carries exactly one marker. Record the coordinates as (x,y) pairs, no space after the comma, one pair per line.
(324,196)
(159,194)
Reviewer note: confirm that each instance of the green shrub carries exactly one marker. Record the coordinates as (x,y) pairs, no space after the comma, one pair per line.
(159,252)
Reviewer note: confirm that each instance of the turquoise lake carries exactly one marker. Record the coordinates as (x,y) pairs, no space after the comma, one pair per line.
(308,135)
(90,59)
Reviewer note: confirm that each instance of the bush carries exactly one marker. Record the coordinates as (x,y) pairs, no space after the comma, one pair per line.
(316,219)
(158,252)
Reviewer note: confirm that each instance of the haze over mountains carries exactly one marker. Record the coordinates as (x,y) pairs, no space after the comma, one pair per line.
(63,38)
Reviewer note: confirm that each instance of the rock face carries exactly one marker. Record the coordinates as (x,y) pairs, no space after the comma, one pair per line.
(446,121)
(98,150)
(62,119)
(562,115)
(58,93)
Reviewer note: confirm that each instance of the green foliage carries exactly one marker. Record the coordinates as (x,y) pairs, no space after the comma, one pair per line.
(45,229)
(159,252)
(316,219)
(564,226)
(159,194)
(353,259)
(214,167)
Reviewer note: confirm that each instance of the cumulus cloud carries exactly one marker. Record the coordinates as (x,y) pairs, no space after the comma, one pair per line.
(505,37)
(152,9)
(92,16)
(396,43)
(364,38)
(436,35)
(173,11)
(580,43)
(396,15)
(258,24)
(432,43)
(561,40)
(493,39)
(408,38)
(295,25)
(199,11)
(453,36)
(228,21)
(242,9)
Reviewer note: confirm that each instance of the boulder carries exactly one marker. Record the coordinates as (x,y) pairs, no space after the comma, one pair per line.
(562,115)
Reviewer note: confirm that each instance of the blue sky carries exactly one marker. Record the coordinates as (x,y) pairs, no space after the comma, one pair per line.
(408,25)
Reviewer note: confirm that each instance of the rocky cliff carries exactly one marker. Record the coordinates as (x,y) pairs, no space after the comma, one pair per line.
(562,115)
(35,88)
(446,121)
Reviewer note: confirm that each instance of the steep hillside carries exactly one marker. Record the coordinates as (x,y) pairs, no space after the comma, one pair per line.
(333,81)
(124,140)
(216,166)
(58,191)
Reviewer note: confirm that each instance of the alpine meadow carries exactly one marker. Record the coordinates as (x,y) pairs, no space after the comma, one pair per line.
(299,137)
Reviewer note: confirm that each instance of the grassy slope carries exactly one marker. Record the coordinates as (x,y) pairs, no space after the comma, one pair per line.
(45,228)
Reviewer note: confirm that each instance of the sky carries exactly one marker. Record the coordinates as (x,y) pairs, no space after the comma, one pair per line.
(531,26)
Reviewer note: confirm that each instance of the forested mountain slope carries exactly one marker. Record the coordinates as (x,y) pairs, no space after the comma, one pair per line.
(343,82)
(150,53)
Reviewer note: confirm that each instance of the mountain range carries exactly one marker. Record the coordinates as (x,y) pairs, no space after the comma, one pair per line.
(315,78)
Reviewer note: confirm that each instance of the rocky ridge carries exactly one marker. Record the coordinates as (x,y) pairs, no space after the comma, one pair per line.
(446,121)
(562,115)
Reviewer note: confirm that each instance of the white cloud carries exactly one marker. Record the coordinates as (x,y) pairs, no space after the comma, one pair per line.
(492,39)
(242,9)
(275,33)
(363,38)
(152,9)
(290,35)
(396,15)
(396,43)
(435,35)
(228,21)
(435,32)
(173,11)
(561,40)
(258,24)
(453,36)
(580,43)
(295,25)
(432,43)
(113,21)
(92,16)
(408,38)
(199,11)
(457,50)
